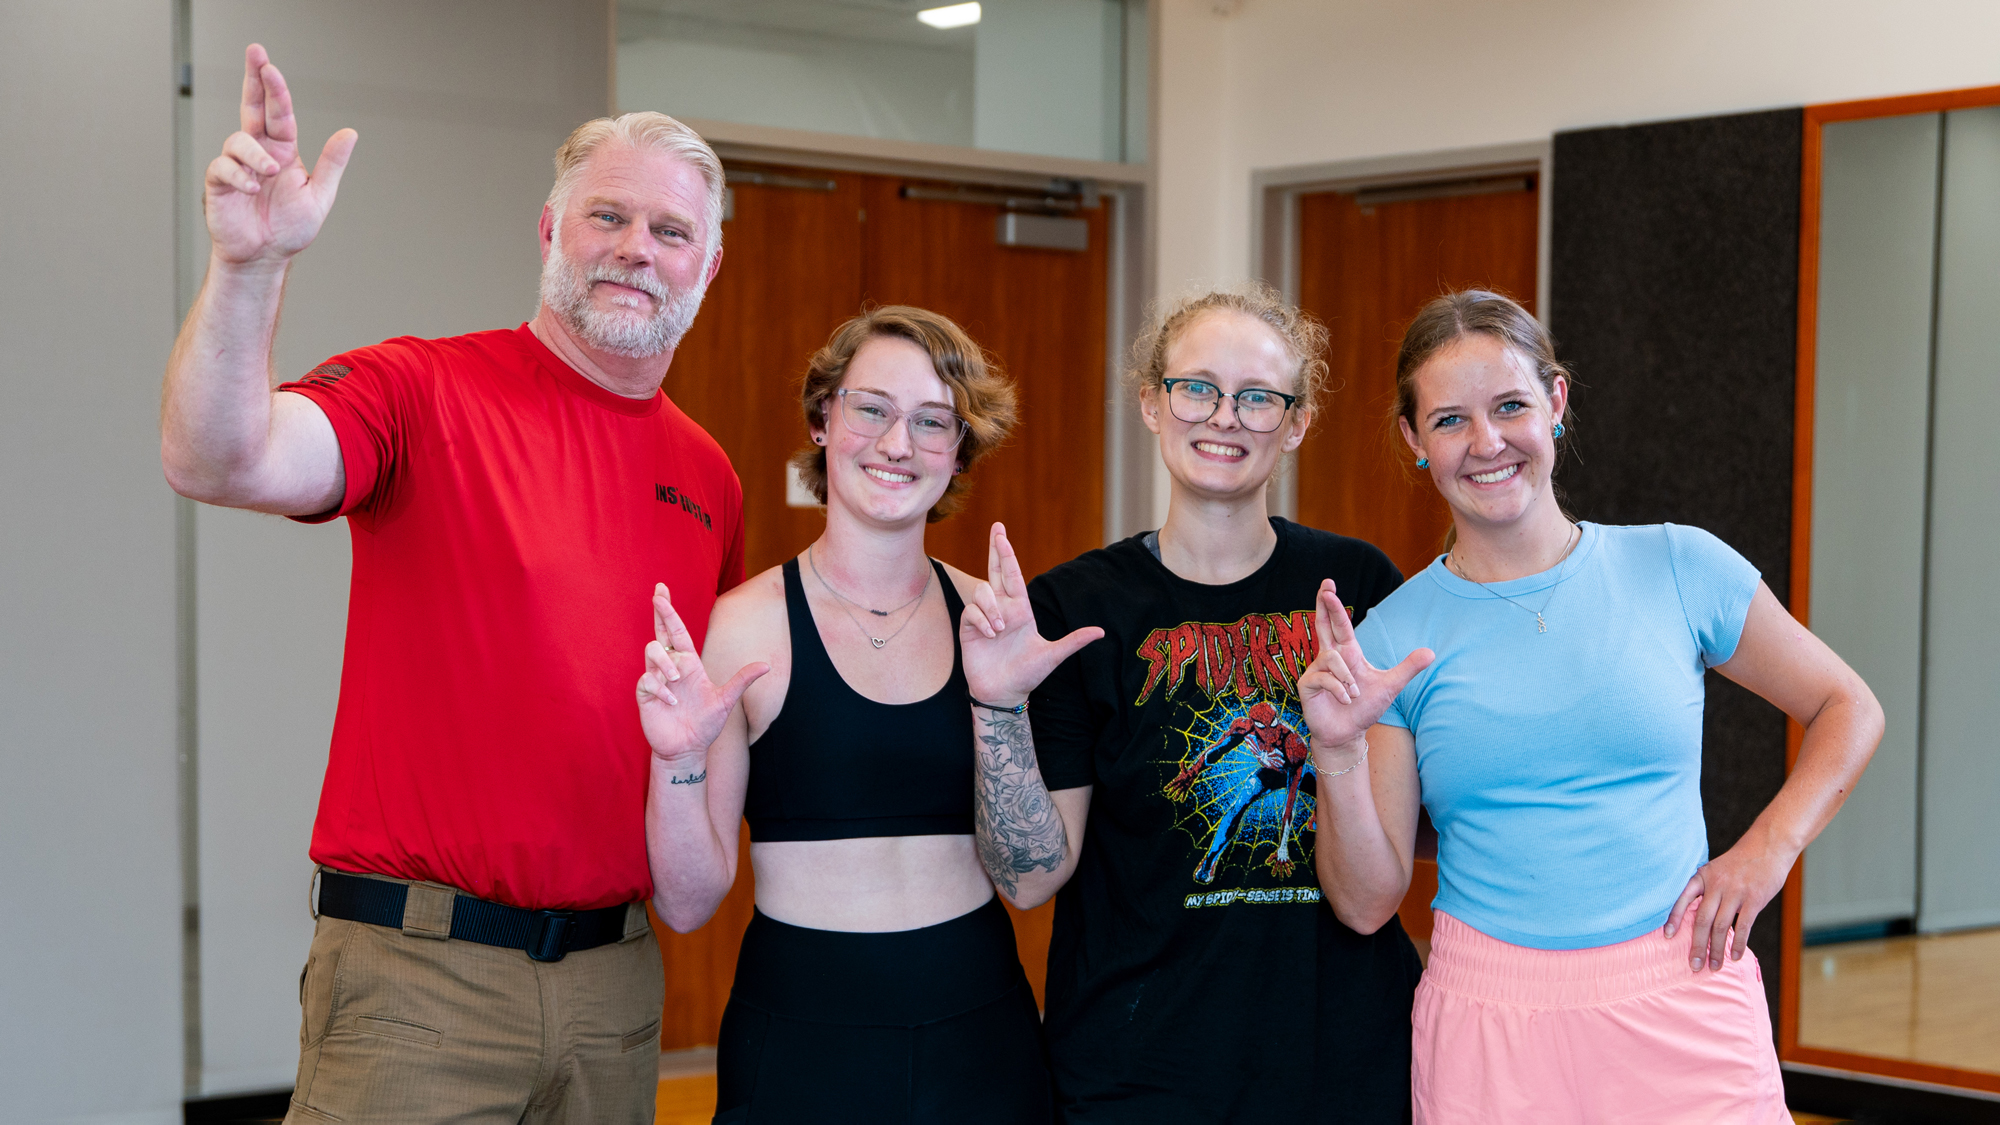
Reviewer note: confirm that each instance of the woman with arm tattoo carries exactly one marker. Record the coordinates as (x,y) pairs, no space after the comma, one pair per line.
(878,980)
(1196,972)
(1024,832)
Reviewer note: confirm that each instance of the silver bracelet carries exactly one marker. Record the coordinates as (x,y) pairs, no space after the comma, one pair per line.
(1350,769)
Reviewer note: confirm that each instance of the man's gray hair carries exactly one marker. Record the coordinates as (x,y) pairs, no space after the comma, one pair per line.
(643,130)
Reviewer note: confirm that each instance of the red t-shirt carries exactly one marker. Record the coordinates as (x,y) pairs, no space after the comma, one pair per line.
(509,518)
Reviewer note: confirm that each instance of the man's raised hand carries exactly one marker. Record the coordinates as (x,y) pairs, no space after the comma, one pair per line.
(1005,656)
(1341,693)
(680,709)
(261,205)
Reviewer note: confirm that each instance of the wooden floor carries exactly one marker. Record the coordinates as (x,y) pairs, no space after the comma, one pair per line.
(686,1101)
(1931,998)
(687,1096)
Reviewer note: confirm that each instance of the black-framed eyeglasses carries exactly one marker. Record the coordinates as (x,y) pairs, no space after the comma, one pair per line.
(1259,409)
(931,429)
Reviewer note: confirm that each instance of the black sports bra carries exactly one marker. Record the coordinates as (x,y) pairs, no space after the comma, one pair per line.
(836,765)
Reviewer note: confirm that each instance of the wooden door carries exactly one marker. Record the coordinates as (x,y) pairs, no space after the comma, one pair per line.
(799,257)
(791,272)
(1366,271)
(1041,313)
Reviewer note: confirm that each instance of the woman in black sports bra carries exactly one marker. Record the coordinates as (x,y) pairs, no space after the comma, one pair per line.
(878,980)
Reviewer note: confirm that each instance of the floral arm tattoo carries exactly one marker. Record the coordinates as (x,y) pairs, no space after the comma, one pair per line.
(1019,828)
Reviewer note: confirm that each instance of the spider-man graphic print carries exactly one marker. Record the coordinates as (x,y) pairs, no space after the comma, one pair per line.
(1242,778)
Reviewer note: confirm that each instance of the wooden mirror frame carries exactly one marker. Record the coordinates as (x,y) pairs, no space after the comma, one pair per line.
(1792,934)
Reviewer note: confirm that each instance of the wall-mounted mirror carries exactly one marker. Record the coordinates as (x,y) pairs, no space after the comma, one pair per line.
(1892,936)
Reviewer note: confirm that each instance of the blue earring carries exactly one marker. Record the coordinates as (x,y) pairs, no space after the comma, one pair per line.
(1423,462)
(1559,429)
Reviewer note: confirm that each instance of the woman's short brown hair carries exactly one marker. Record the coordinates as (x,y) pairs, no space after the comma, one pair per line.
(980,394)
(1303,335)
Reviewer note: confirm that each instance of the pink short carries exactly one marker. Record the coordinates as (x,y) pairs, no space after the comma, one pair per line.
(1582,1036)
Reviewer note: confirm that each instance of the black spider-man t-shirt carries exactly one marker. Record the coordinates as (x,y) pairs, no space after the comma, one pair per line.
(1196,973)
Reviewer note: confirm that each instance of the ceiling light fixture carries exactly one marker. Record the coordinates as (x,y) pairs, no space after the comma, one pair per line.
(951,15)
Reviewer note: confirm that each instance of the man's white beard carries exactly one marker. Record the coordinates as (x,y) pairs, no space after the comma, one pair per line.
(625,332)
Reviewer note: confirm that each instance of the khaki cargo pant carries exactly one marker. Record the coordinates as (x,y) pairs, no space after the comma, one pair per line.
(404,1027)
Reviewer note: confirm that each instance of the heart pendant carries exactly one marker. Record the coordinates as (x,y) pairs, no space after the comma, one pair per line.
(878,642)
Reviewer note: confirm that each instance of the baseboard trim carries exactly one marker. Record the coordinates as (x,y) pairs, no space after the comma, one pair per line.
(1874,1100)
(237,1109)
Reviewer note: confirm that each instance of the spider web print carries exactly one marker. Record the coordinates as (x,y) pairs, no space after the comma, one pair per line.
(1209,800)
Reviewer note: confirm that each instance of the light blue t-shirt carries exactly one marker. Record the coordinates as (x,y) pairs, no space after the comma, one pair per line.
(1563,769)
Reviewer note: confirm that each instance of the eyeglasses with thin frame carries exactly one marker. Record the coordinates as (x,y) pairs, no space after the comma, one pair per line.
(1259,409)
(931,429)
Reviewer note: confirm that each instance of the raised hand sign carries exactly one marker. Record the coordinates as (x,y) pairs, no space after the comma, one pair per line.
(1341,693)
(1005,655)
(261,204)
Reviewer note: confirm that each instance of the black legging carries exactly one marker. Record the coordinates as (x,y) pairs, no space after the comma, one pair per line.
(927,1025)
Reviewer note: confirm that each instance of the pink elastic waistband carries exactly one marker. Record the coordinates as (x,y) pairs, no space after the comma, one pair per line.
(1467,962)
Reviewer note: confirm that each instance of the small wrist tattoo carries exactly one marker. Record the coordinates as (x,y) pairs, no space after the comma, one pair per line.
(697,779)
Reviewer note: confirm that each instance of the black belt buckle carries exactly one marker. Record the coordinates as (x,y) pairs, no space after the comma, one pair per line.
(546,934)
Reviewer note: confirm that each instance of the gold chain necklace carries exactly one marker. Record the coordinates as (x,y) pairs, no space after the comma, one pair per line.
(878,642)
(1541,626)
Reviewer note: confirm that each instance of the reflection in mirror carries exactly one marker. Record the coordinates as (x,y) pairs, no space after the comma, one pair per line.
(1052,77)
(1901,911)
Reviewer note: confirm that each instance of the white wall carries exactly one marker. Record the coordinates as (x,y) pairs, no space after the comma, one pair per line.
(460,105)
(90,1013)
(1287,82)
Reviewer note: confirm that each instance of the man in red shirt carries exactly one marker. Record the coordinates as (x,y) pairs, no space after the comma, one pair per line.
(482,952)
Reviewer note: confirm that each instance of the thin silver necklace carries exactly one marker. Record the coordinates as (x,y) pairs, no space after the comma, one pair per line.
(1541,626)
(878,642)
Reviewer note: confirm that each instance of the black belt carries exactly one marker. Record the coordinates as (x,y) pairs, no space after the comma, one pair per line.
(546,935)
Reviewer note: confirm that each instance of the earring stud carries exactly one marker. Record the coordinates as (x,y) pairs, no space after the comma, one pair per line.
(1559,429)
(1423,462)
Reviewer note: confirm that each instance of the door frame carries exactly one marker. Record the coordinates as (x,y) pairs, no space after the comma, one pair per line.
(1274,221)
(1128,448)
(1794,1056)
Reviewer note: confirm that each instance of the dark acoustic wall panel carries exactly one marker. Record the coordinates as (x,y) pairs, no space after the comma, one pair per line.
(1673,297)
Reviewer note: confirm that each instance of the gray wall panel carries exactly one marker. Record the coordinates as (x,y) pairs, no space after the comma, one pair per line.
(460,105)
(1878,213)
(1961,850)
(90,1026)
